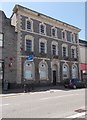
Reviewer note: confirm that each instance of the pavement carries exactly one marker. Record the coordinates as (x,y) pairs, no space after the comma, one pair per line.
(36,90)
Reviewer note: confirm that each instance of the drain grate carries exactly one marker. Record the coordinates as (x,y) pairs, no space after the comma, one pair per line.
(80,110)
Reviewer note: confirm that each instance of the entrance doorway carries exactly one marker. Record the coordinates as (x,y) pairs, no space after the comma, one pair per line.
(54,77)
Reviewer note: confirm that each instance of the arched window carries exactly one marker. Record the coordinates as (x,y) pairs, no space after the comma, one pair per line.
(63,35)
(74,71)
(42,28)
(43,70)
(54,48)
(42,45)
(73,38)
(29,43)
(54,32)
(65,69)
(73,52)
(64,50)
(28,70)
(29,24)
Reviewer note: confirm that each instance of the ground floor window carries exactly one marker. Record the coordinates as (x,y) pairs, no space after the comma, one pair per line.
(65,71)
(29,70)
(43,70)
(74,71)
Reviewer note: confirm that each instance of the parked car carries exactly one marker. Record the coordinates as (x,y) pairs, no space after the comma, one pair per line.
(74,83)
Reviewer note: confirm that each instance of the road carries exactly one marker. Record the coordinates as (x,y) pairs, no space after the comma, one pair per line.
(48,104)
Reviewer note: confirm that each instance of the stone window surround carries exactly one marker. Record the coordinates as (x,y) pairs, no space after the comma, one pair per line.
(44,41)
(45,63)
(74,65)
(30,68)
(31,21)
(65,45)
(55,31)
(64,31)
(76,69)
(30,38)
(56,44)
(65,64)
(73,35)
(44,28)
(73,47)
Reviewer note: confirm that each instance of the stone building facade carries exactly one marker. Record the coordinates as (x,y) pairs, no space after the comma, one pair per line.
(8,50)
(47,49)
(35,48)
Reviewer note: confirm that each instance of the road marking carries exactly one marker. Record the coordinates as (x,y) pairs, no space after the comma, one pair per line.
(3,105)
(58,96)
(76,115)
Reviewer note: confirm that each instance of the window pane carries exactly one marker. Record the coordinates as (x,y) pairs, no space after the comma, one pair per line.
(64,51)
(42,47)
(42,28)
(53,32)
(29,25)
(54,49)
(63,35)
(29,45)
(73,53)
(68,36)
(59,33)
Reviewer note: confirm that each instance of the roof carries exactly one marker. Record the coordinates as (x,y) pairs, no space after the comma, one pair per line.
(19,6)
(83,42)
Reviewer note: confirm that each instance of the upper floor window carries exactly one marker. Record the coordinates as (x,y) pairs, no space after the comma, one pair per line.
(64,50)
(1,39)
(29,43)
(54,32)
(68,35)
(42,28)
(54,48)
(42,46)
(29,25)
(76,37)
(73,52)
(63,35)
(72,37)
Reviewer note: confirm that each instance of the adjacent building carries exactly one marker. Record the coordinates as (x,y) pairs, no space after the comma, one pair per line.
(83,58)
(47,49)
(8,50)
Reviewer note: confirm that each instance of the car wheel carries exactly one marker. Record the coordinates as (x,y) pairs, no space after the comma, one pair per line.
(74,86)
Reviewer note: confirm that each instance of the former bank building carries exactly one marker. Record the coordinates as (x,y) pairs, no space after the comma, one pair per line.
(47,50)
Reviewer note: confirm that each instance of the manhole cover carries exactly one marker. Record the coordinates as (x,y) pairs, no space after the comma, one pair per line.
(80,110)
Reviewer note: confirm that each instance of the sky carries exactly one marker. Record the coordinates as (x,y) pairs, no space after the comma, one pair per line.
(72,13)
